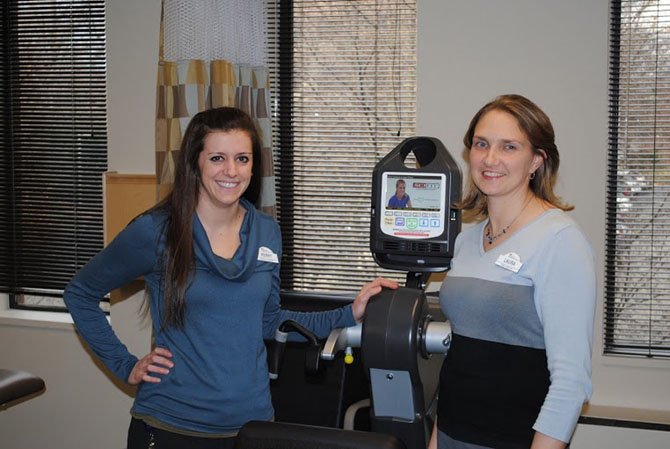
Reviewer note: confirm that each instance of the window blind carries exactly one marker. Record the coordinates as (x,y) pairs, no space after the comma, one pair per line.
(54,141)
(637,289)
(344,88)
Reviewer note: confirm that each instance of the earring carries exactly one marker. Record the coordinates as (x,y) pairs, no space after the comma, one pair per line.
(531,176)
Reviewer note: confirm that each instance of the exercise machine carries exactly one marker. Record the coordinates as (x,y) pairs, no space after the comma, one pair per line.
(403,338)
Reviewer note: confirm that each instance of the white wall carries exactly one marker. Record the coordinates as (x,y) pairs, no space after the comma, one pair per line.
(556,54)
(469,51)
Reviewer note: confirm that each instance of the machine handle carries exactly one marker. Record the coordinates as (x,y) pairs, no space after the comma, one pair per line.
(277,353)
(339,339)
(279,346)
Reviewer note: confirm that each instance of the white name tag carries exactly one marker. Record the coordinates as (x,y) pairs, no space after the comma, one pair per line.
(510,261)
(265,254)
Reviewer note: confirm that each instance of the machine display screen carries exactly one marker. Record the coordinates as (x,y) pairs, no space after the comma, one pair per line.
(413,205)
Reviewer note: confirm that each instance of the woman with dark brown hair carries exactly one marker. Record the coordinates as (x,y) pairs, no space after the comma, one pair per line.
(211,265)
(520,295)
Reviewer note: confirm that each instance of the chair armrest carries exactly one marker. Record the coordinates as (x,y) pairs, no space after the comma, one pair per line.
(16,385)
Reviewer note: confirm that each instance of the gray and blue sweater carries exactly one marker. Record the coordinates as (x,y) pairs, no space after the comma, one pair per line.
(522,317)
(220,378)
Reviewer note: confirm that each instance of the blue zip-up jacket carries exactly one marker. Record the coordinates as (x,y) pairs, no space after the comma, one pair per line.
(220,377)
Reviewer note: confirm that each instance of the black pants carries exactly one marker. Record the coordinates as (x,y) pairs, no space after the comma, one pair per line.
(143,436)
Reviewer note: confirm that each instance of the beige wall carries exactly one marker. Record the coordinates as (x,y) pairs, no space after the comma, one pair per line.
(469,51)
(132,53)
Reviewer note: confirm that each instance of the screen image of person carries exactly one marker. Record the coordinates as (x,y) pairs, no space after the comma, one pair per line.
(210,261)
(400,200)
(520,295)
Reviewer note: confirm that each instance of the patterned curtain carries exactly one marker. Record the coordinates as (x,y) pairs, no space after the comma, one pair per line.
(212,54)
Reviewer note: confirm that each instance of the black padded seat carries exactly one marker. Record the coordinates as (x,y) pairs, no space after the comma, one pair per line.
(16,385)
(275,435)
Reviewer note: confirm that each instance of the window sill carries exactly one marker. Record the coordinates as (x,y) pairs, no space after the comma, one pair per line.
(622,360)
(33,318)
(36,318)
(635,418)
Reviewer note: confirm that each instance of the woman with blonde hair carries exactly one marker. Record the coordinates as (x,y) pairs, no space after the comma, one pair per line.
(520,295)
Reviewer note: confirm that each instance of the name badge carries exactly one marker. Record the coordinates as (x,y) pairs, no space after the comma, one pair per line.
(265,254)
(510,261)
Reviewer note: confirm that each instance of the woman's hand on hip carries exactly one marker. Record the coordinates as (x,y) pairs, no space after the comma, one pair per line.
(156,362)
(366,292)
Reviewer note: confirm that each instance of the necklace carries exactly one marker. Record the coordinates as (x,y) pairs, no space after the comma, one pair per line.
(492,238)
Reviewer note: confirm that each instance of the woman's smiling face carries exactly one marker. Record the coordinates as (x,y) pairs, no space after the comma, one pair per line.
(501,157)
(225,167)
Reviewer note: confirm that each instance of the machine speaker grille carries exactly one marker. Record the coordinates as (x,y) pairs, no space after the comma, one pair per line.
(415,247)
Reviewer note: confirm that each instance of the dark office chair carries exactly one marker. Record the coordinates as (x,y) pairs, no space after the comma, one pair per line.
(275,435)
(17,385)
